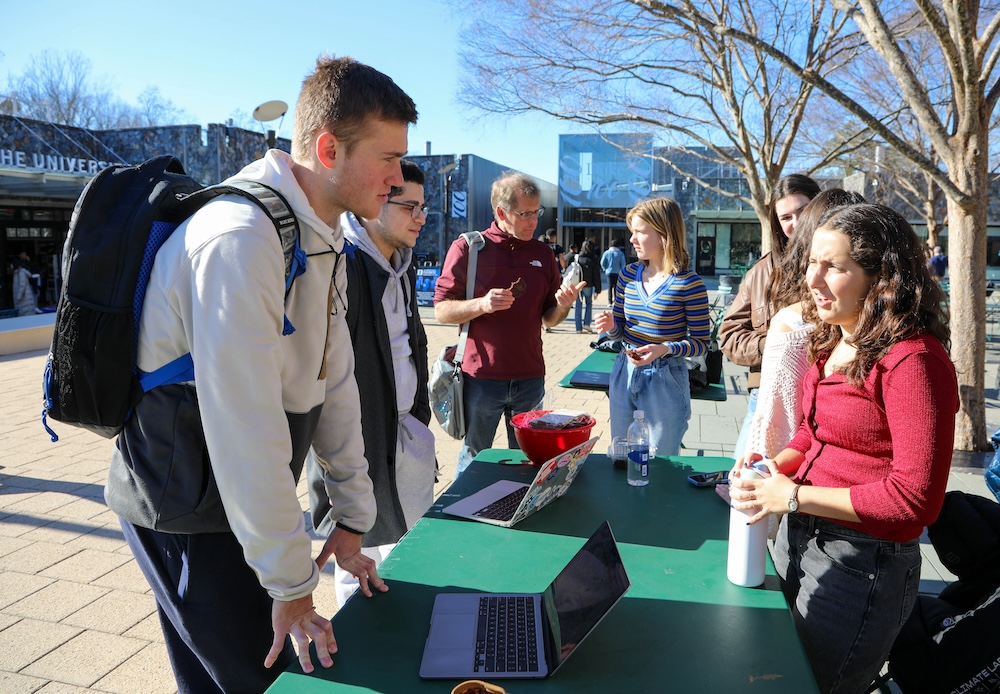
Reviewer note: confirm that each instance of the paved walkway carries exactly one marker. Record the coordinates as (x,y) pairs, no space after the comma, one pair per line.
(77,616)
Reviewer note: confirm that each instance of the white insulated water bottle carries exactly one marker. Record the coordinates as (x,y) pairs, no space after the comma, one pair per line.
(747,543)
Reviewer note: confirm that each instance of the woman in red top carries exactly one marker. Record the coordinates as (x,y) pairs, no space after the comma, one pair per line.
(868,468)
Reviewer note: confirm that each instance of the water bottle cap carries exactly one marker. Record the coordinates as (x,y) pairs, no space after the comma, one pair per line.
(637,414)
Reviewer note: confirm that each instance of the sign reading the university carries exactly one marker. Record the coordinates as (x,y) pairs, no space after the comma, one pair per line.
(51,162)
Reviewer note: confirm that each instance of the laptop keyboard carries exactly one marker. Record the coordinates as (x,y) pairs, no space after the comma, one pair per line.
(505,638)
(503,509)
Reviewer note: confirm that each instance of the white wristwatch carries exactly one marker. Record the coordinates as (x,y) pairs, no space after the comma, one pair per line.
(793,500)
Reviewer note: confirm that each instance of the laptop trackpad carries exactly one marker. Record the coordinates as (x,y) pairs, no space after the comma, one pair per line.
(452,631)
(450,648)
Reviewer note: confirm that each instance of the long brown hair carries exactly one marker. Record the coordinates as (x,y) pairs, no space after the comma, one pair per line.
(787,284)
(903,299)
(792,184)
(665,216)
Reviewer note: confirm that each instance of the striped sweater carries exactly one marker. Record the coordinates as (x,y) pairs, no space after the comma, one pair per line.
(675,314)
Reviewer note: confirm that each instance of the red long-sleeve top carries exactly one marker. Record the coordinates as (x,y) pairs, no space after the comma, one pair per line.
(890,442)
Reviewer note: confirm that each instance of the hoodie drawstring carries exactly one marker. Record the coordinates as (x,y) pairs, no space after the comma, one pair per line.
(404,432)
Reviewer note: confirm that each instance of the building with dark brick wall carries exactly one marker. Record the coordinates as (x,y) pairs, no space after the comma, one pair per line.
(45,166)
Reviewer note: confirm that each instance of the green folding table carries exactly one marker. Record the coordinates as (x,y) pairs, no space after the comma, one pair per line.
(682,626)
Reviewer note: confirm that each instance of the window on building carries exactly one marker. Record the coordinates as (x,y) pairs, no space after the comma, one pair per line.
(599,215)
(744,248)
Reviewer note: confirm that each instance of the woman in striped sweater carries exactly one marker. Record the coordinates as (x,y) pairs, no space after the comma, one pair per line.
(661,315)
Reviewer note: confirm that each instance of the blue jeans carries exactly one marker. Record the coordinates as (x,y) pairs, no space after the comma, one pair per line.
(586,295)
(741,441)
(486,401)
(661,390)
(850,594)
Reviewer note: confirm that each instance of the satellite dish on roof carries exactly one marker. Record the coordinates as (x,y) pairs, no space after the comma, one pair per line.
(269,110)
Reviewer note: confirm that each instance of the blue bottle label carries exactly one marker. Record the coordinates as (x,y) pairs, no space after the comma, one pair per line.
(640,456)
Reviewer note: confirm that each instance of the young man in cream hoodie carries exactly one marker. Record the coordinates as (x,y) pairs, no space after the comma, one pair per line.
(390,357)
(232,572)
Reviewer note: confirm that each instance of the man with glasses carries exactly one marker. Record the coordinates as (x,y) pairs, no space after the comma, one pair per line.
(390,360)
(517,293)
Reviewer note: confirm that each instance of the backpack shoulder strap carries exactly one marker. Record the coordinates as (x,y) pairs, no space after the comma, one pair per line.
(476,241)
(274,205)
(277,209)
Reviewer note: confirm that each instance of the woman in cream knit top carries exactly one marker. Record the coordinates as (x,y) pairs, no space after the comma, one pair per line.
(784,361)
(783,366)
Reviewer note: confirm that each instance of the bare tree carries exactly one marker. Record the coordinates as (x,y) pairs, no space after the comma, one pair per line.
(59,88)
(966,36)
(152,109)
(613,63)
(892,178)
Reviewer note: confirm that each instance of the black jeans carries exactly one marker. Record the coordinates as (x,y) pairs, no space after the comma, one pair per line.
(850,595)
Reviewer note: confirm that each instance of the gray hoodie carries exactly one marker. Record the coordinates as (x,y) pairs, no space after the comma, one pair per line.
(395,305)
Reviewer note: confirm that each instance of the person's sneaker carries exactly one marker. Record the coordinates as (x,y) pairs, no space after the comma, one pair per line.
(588,329)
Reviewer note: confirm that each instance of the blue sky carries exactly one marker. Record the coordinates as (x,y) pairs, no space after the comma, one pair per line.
(213,59)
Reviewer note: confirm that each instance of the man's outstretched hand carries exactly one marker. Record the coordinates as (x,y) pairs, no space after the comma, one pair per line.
(345,547)
(299,619)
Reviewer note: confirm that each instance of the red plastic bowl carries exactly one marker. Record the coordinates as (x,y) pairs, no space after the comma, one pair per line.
(543,444)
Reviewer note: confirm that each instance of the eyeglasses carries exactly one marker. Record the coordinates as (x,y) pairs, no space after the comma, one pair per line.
(415,209)
(529,214)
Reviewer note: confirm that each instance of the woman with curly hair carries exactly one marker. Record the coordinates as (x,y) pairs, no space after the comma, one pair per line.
(868,467)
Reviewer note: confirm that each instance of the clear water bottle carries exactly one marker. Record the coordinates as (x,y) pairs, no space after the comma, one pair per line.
(638,451)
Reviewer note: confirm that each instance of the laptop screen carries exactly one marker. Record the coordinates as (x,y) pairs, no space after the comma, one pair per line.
(583,592)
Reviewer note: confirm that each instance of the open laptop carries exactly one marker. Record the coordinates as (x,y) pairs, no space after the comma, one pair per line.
(591,379)
(507,503)
(472,634)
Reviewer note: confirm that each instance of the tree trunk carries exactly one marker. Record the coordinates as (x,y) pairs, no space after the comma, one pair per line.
(930,216)
(967,271)
(764,217)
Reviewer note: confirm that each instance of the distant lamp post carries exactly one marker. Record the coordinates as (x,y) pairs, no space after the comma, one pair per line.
(269,111)
(446,171)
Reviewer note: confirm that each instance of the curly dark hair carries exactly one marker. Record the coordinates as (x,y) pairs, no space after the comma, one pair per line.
(787,284)
(903,300)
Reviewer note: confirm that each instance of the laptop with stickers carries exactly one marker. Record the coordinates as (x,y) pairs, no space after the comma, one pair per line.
(507,503)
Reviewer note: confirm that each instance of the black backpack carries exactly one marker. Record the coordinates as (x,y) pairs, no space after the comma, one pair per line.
(121,220)
(951,643)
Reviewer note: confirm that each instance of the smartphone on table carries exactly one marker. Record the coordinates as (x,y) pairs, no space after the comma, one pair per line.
(709,479)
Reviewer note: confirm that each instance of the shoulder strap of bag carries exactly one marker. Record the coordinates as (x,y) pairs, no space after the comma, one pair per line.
(279,211)
(476,241)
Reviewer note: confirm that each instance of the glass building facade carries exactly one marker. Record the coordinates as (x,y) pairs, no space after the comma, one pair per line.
(601,177)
